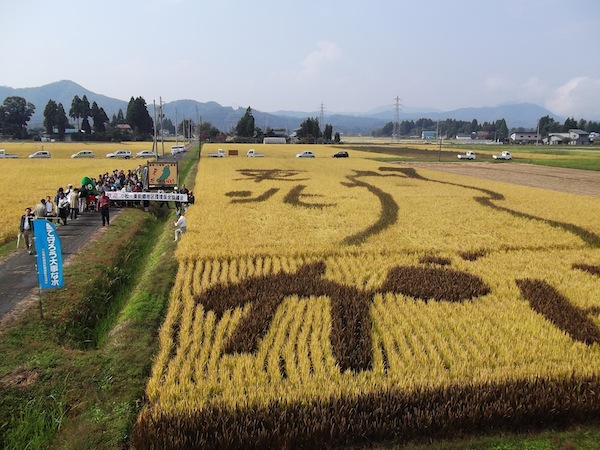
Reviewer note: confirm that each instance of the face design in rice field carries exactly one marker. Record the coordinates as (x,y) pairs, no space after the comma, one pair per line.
(293,197)
(389,209)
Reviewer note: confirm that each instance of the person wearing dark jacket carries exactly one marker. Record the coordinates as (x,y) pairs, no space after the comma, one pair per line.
(26,228)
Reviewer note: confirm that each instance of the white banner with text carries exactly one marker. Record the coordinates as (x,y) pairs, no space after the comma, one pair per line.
(152,196)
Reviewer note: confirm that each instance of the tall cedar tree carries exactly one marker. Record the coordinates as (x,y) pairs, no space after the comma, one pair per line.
(138,118)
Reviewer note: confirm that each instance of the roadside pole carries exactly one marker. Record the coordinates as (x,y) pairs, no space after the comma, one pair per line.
(40,302)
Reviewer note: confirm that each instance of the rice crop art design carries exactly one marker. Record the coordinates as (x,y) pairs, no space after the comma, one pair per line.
(389,207)
(322,305)
(351,323)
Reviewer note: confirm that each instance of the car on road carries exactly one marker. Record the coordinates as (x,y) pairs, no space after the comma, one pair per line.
(146,154)
(4,155)
(126,154)
(305,154)
(504,155)
(220,153)
(40,154)
(175,149)
(83,154)
(468,155)
(254,154)
(341,154)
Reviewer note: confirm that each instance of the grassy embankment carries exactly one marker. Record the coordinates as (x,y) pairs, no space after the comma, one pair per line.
(76,378)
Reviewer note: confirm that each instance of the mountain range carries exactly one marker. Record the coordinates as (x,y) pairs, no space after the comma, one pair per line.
(225,118)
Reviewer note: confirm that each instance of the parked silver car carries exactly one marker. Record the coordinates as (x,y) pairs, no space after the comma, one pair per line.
(305,154)
(146,154)
(40,154)
(126,154)
(83,154)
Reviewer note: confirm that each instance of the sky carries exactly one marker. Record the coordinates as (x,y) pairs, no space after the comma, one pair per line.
(347,56)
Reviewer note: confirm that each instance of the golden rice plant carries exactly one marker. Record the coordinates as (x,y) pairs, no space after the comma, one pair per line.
(358,294)
(283,204)
(416,343)
(490,335)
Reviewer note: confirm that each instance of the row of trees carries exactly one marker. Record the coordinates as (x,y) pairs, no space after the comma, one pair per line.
(16,112)
(448,127)
(137,117)
(497,130)
(308,133)
(548,125)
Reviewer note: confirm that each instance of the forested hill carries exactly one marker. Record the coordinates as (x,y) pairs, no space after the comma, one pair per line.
(225,117)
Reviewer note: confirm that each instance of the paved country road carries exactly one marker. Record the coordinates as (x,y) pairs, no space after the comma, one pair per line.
(18,276)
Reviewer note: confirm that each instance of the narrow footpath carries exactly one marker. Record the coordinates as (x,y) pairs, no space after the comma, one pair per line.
(18,273)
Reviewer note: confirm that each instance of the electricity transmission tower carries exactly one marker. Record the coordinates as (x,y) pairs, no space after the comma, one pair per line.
(397,108)
(322,117)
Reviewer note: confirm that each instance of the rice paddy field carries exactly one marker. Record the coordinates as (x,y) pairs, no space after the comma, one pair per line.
(324,302)
(27,180)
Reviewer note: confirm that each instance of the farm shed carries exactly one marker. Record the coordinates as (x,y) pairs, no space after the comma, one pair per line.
(464,136)
(524,137)
(556,138)
(274,140)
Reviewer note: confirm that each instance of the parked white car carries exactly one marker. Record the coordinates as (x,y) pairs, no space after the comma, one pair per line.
(126,154)
(253,154)
(305,154)
(177,149)
(40,154)
(3,154)
(146,154)
(505,155)
(219,154)
(468,155)
(83,154)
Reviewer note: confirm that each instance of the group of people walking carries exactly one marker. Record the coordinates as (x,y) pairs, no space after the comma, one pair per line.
(68,204)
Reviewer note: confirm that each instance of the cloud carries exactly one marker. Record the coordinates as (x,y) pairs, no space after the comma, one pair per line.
(495,83)
(577,97)
(532,89)
(312,64)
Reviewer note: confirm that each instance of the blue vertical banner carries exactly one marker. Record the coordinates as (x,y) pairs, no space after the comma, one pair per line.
(49,254)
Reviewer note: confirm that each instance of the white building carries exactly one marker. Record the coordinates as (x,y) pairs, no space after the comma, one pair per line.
(579,137)
(524,137)
(573,137)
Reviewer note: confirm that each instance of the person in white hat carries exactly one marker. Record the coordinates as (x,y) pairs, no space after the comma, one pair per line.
(181,224)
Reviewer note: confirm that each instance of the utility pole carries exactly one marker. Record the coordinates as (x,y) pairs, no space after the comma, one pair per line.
(198,121)
(162,127)
(154,141)
(437,133)
(176,129)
